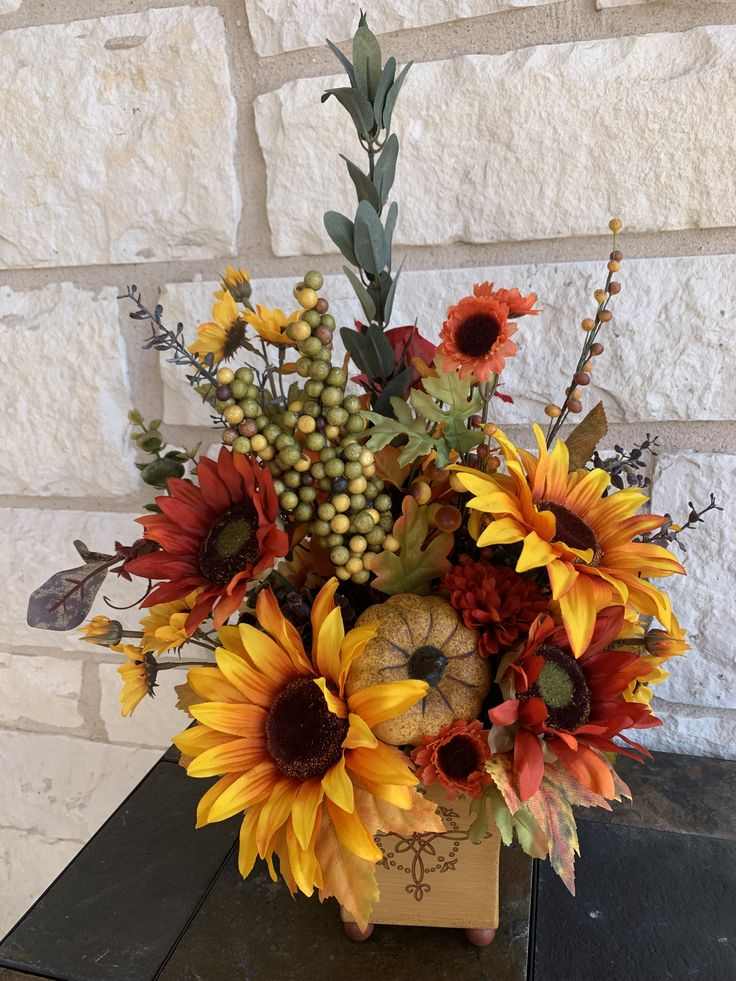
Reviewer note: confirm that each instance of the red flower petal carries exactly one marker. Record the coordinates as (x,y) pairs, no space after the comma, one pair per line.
(214,491)
(528,763)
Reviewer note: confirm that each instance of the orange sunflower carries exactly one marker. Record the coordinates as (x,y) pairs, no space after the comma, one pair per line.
(476,336)
(295,754)
(583,539)
(220,536)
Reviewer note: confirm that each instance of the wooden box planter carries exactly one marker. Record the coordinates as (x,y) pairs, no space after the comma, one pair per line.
(439,879)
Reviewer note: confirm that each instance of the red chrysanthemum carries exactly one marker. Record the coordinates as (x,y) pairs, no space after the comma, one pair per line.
(519,306)
(476,336)
(217,536)
(455,757)
(573,706)
(494,600)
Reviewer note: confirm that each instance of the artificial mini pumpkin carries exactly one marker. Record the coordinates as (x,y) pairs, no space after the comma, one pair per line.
(422,637)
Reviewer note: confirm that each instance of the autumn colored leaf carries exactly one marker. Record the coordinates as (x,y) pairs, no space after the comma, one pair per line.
(380,815)
(417,562)
(388,467)
(546,819)
(586,436)
(347,878)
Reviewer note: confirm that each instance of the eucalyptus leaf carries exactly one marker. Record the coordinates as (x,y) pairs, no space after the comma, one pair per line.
(342,231)
(391,218)
(344,61)
(393,94)
(388,306)
(366,59)
(382,351)
(366,301)
(357,346)
(357,105)
(364,187)
(385,170)
(384,84)
(370,240)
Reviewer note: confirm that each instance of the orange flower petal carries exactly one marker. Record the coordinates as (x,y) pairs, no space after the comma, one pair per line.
(237,719)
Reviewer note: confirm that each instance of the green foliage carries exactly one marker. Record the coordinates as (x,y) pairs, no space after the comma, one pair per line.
(148,438)
(438,421)
(366,242)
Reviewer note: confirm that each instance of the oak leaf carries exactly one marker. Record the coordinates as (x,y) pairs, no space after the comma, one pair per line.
(586,436)
(380,815)
(417,562)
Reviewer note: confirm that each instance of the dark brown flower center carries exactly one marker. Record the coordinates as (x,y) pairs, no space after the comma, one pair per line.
(428,664)
(477,334)
(231,545)
(572,530)
(303,737)
(459,758)
(562,687)
(235,338)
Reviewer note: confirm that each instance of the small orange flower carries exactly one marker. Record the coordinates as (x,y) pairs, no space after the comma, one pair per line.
(476,336)
(519,306)
(456,757)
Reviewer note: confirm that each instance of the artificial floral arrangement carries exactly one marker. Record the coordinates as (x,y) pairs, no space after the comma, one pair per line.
(381,590)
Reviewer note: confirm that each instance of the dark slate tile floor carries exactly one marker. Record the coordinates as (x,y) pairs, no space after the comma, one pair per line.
(150,899)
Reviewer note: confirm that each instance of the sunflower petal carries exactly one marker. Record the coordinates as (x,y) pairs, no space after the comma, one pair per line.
(562,577)
(535,553)
(323,605)
(579,607)
(338,786)
(253,684)
(235,756)
(328,642)
(503,531)
(244,791)
(211,685)
(268,656)
(247,851)
(400,797)
(199,738)
(353,646)
(207,800)
(305,810)
(382,764)
(275,813)
(238,719)
(334,703)
(353,834)
(283,632)
(385,701)
(359,735)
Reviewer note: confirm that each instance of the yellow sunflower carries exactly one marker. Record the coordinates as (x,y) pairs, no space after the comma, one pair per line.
(583,539)
(295,754)
(271,323)
(164,624)
(102,631)
(660,646)
(237,283)
(139,677)
(224,334)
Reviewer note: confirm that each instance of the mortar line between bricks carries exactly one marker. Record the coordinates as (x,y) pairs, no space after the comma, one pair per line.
(49,839)
(263,264)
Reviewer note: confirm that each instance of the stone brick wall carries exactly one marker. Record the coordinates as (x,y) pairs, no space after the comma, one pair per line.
(151,141)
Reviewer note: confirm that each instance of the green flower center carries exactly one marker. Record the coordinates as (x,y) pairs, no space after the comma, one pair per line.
(477,334)
(562,687)
(231,545)
(303,737)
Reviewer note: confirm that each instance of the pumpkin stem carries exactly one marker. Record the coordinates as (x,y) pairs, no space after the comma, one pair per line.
(427,663)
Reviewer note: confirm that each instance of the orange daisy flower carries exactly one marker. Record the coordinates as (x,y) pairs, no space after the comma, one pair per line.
(218,536)
(584,540)
(519,306)
(292,751)
(455,757)
(476,337)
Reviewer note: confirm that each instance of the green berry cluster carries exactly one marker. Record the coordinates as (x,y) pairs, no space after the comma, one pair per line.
(311,442)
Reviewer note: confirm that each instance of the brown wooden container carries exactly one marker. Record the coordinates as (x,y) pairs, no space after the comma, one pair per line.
(439,879)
